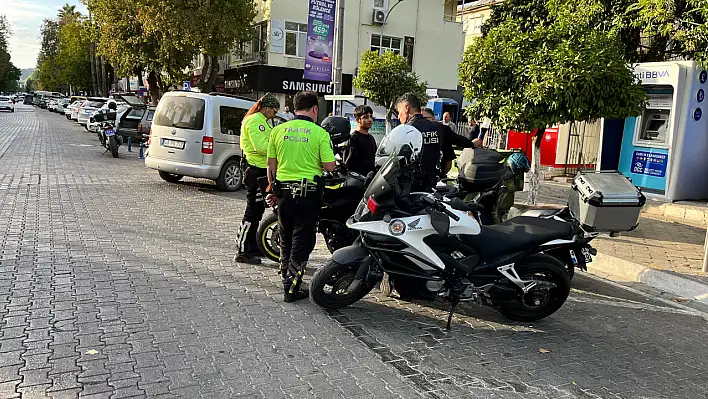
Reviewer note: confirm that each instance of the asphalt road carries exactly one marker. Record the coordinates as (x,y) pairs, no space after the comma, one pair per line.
(116,284)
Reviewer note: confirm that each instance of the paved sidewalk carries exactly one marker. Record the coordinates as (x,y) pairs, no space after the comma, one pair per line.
(662,243)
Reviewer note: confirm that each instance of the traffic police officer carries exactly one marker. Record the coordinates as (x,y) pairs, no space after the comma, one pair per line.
(255,132)
(297,152)
(409,112)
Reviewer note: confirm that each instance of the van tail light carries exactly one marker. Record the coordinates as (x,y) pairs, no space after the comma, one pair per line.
(150,138)
(372,205)
(207,145)
(140,127)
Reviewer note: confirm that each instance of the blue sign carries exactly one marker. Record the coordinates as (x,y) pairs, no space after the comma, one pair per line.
(187,86)
(703,77)
(647,163)
(320,40)
(700,95)
(697,114)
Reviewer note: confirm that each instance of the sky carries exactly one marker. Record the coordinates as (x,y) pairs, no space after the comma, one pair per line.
(25,17)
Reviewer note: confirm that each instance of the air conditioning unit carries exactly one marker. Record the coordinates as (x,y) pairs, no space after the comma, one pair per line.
(379,17)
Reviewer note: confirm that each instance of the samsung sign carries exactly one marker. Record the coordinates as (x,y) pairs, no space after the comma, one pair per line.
(322,88)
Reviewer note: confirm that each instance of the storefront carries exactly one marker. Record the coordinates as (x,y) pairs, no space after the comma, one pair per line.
(254,81)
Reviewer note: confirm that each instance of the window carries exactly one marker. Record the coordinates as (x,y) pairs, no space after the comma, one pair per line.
(260,38)
(295,39)
(150,115)
(386,43)
(230,120)
(380,4)
(181,112)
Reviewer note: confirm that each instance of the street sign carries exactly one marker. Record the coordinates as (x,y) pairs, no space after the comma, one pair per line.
(340,97)
(187,86)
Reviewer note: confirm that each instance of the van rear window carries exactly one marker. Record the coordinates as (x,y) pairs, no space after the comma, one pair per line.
(180,112)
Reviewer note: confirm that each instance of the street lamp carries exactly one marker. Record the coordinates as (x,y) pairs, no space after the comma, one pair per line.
(386,17)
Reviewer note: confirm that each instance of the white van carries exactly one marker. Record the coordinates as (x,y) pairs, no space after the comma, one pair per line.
(198,135)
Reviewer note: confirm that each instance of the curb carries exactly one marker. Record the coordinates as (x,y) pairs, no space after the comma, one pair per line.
(677,211)
(617,269)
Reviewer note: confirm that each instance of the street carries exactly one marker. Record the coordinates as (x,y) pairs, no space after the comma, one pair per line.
(116,284)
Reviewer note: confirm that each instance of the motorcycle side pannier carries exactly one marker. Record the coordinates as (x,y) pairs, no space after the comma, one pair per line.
(480,169)
(605,202)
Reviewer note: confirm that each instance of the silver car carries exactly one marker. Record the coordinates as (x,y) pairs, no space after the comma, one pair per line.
(88,108)
(198,135)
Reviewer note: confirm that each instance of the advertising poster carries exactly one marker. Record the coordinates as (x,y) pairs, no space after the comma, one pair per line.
(648,163)
(320,40)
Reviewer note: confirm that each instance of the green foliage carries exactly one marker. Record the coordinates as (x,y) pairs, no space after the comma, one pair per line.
(384,77)
(9,73)
(73,58)
(553,72)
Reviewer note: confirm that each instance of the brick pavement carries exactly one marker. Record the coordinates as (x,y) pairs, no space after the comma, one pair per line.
(659,242)
(116,284)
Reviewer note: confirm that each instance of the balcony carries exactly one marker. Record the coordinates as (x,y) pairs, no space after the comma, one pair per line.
(254,58)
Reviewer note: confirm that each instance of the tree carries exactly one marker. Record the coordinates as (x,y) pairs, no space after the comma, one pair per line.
(9,73)
(536,75)
(73,57)
(384,77)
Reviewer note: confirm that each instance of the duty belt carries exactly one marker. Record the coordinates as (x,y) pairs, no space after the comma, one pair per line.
(299,189)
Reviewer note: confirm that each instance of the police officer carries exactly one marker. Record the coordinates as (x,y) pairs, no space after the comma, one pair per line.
(409,112)
(450,140)
(255,132)
(297,152)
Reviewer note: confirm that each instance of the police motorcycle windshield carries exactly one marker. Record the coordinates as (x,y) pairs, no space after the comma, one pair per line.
(386,183)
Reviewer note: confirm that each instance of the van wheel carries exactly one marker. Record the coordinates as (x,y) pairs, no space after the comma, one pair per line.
(231,176)
(169,177)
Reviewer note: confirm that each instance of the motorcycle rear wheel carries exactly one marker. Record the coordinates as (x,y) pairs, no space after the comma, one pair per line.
(113,145)
(267,237)
(328,287)
(538,303)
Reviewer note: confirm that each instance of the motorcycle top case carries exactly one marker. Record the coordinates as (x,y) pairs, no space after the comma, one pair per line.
(480,169)
(104,115)
(605,201)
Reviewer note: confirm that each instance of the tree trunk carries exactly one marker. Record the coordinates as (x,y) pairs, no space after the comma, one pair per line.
(140,79)
(92,57)
(152,87)
(104,76)
(210,70)
(535,173)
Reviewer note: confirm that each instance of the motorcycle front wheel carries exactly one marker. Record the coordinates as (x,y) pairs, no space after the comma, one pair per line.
(113,145)
(267,237)
(330,286)
(547,297)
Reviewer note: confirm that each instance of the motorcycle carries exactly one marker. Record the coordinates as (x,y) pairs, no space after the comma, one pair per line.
(342,194)
(107,134)
(435,249)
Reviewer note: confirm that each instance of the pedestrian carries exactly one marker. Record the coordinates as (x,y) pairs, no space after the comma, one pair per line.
(360,149)
(255,134)
(297,152)
(288,115)
(447,121)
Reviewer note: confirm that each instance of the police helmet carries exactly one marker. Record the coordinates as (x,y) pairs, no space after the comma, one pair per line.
(338,127)
(396,140)
(518,163)
(112,105)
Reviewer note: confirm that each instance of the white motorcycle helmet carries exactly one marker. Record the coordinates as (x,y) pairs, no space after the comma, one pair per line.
(396,139)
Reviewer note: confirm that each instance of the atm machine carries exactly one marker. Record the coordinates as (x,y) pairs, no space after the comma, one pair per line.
(665,149)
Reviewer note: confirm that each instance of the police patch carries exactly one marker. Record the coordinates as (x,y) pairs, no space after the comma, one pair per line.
(262,128)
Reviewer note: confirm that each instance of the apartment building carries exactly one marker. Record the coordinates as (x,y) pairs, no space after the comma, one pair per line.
(472,14)
(426,32)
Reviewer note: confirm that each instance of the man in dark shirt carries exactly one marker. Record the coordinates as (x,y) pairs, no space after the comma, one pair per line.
(409,112)
(360,150)
(450,140)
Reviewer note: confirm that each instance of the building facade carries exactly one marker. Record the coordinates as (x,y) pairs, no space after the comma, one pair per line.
(472,15)
(426,32)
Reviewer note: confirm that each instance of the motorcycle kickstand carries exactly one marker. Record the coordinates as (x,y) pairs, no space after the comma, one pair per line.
(452,312)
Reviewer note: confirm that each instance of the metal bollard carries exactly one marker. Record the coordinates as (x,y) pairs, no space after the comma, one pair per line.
(142,148)
(130,144)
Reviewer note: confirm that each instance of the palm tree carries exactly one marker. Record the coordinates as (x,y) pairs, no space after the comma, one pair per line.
(68,12)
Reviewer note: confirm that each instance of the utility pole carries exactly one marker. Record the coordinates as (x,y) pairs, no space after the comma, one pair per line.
(338,53)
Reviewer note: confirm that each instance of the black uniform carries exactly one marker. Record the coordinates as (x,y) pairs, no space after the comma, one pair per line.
(359,153)
(433,144)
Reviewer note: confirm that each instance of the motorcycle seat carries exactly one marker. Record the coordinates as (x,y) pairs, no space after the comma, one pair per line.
(516,235)
(539,211)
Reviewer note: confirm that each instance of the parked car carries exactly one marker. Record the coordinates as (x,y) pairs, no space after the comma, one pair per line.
(67,110)
(137,120)
(7,104)
(197,135)
(29,99)
(88,108)
(51,105)
(74,115)
(93,126)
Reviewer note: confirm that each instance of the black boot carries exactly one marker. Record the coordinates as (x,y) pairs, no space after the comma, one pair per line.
(247,258)
(296,294)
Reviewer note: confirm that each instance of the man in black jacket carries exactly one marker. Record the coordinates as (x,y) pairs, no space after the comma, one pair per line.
(409,112)
(360,150)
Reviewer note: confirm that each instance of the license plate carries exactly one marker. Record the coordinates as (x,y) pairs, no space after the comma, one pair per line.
(173,144)
(110,132)
(587,255)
